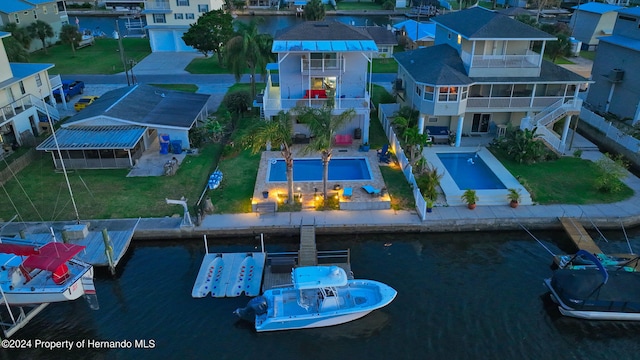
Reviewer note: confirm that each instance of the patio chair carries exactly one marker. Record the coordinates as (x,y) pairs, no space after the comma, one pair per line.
(347,192)
(383,154)
(371,190)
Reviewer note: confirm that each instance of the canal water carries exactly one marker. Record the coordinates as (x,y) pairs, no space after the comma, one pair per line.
(460,296)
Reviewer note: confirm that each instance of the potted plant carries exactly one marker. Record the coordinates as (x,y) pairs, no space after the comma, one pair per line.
(514,197)
(265,194)
(365,147)
(470,197)
(429,204)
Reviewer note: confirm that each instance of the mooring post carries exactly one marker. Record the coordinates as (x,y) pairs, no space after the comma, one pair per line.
(108,250)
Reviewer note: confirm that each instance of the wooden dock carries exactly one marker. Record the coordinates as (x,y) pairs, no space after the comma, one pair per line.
(308,254)
(578,234)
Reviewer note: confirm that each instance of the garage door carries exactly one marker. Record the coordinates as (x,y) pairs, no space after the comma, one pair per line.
(162,40)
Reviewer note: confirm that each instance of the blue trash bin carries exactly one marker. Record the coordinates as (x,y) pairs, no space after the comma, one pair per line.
(164,143)
(176,145)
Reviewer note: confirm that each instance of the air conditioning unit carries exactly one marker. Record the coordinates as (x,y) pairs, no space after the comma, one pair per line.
(616,75)
(398,85)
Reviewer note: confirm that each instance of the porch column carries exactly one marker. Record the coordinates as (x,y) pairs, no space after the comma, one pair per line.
(459,130)
(613,87)
(421,124)
(365,130)
(565,130)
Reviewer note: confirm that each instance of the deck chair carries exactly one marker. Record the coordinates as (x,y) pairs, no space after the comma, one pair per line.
(347,192)
(383,154)
(371,190)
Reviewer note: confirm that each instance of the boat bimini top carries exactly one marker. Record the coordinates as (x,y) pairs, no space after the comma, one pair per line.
(314,277)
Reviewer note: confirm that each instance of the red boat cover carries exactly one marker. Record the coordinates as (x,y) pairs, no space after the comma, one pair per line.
(52,255)
(20,250)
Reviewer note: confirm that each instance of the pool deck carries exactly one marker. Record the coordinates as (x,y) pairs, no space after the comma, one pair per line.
(308,191)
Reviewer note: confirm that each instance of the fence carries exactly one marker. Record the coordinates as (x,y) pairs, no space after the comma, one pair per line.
(628,142)
(403,161)
(16,165)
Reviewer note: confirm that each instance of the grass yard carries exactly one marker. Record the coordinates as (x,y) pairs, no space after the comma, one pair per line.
(178,87)
(589,55)
(556,182)
(208,65)
(102,58)
(368,5)
(388,65)
(234,194)
(105,194)
(398,187)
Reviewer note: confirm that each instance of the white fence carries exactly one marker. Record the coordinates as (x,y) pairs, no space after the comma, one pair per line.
(403,161)
(629,142)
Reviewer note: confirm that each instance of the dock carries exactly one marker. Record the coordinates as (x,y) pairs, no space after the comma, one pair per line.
(579,236)
(308,253)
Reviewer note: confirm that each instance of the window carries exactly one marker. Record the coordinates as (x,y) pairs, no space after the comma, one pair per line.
(38,80)
(203,8)
(447,93)
(384,50)
(419,90)
(428,93)
(324,60)
(189,16)
(182,2)
(464,92)
(35,15)
(178,16)
(17,18)
(22,90)
(44,9)
(159,19)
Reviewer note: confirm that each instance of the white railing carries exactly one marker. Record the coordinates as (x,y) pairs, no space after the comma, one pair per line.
(529,60)
(55,81)
(322,64)
(610,131)
(552,138)
(43,106)
(547,111)
(339,103)
(10,110)
(157,5)
(403,161)
(554,112)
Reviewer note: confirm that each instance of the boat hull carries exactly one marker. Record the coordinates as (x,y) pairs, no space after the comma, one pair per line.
(286,310)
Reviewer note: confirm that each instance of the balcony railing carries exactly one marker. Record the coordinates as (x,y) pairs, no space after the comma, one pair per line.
(11,110)
(157,5)
(55,81)
(322,64)
(528,60)
(514,102)
(276,104)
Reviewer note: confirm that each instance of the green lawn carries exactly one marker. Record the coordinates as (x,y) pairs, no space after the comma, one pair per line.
(178,87)
(385,66)
(398,187)
(590,55)
(101,58)
(234,194)
(365,5)
(557,182)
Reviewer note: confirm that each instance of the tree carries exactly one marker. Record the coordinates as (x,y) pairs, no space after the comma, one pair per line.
(209,34)
(414,141)
(40,30)
(248,49)
(277,132)
(323,126)
(15,51)
(20,34)
(69,34)
(314,10)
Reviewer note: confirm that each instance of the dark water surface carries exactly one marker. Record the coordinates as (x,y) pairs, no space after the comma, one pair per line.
(460,296)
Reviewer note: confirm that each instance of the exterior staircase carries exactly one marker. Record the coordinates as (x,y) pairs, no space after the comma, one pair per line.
(549,116)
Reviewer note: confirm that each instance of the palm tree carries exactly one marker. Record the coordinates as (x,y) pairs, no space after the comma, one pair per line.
(323,126)
(276,132)
(314,11)
(415,142)
(40,30)
(248,49)
(69,34)
(19,33)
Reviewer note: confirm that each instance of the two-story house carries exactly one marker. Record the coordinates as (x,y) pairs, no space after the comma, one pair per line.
(483,73)
(320,62)
(168,20)
(25,12)
(592,20)
(615,69)
(25,98)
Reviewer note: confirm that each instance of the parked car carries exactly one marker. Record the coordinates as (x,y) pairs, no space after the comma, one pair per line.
(70,89)
(84,101)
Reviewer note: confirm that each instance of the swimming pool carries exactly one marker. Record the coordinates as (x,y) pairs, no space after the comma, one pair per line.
(340,169)
(469,171)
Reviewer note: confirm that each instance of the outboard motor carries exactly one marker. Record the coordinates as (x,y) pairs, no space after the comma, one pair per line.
(255,306)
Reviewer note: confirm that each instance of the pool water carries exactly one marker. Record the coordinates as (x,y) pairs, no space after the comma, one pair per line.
(340,169)
(470,172)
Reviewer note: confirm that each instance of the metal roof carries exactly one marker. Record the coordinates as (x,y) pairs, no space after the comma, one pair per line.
(21,71)
(11,6)
(634,11)
(94,138)
(597,8)
(479,23)
(622,41)
(424,30)
(38,2)
(320,46)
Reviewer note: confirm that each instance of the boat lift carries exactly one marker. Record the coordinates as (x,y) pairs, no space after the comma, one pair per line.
(22,319)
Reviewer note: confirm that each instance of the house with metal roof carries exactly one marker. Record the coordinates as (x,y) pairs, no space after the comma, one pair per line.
(591,21)
(615,69)
(26,100)
(25,12)
(420,34)
(122,124)
(167,21)
(320,63)
(478,78)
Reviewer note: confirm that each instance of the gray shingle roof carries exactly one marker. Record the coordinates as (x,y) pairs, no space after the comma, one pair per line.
(322,30)
(381,35)
(441,65)
(146,105)
(479,23)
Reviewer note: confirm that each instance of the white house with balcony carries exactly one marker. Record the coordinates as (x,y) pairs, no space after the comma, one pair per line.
(168,20)
(321,62)
(25,99)
(483,74)
(25,12)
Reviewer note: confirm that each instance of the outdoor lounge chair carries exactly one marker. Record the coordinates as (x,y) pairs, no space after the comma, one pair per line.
(383,154)
(371,190)
(347,192)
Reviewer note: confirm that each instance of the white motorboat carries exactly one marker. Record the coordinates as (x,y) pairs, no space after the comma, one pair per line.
(320,296)
(49,273)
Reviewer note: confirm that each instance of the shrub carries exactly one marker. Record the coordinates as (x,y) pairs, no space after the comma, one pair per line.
(237,102)
(523,146)
(611,170)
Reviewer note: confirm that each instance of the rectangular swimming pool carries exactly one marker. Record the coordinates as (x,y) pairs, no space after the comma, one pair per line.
(340,169)
(469,171)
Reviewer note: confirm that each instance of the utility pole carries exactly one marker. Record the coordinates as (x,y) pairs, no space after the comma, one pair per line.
(121,49)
